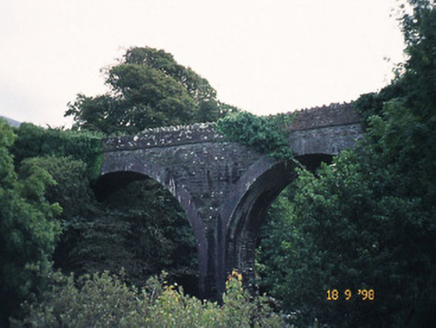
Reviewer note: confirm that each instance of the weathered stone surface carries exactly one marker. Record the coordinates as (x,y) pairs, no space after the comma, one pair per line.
(165,136)
(225,188)
(324,140)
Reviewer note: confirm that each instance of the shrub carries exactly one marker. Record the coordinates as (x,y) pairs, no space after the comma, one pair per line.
(103,300)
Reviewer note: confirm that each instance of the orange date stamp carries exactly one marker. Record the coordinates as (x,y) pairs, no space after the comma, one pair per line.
(362,294)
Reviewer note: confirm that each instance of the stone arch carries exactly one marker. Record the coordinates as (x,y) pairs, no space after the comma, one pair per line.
(124,175)
(255,195)
(252,197)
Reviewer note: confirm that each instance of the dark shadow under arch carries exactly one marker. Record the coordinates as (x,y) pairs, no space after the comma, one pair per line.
(116,180)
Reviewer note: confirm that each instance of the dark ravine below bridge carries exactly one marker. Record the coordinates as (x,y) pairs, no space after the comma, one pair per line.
(225,188)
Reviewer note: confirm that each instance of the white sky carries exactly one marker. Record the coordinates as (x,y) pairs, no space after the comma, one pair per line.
(264,56)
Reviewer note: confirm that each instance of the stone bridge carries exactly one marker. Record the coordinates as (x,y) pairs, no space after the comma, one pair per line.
(225,188)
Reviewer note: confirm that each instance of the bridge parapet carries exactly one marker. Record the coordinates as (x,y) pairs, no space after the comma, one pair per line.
(325,116)
(165,137)
(325,130)
(330,116)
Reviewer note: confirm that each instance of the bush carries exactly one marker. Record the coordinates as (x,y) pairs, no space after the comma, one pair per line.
(34,141)
(103,300)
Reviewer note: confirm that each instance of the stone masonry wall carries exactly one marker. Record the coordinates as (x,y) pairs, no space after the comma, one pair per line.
(165,136)
(318,117)
(308,119)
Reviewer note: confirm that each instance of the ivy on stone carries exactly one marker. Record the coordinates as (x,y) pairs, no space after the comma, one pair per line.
(265,134)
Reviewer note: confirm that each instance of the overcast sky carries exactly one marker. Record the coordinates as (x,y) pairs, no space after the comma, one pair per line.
(264,56)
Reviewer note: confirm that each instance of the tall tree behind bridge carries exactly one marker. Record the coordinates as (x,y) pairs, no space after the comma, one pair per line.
(148,89)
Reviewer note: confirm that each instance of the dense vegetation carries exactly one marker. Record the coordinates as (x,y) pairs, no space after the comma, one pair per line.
(364,222)
(27,225)
(105,301)
(368,220)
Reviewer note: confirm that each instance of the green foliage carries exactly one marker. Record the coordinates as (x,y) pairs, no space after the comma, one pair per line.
(276,228)
(124,230)
(121,231)
(27,225)
(141,228)
(160,234)
(419,28)
(368,220)
(34,141)
(105,301)
(351,227)
(72,189)
(264,134)
(372,104)
(148,89)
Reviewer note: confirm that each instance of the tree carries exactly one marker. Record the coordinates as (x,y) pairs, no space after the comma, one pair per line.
(351,226)
(148,89)
(368,220)
(27,225)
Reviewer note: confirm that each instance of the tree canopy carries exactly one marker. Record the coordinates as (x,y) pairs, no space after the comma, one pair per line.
(148,89)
